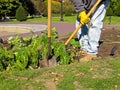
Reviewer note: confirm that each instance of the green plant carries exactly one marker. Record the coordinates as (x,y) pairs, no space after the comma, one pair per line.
(75,43)
(6,58)
(21,14)
(25,52)
(61,53)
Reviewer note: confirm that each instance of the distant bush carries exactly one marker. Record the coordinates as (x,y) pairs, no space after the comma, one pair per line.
(117,11)
(68,12)
(21,14)
(68,8)
(55,7)
(109,12)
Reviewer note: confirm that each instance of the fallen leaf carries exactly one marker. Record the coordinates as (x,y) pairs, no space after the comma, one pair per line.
(56,79)
(93,67)
(115,87)
(79,74)
(53,73)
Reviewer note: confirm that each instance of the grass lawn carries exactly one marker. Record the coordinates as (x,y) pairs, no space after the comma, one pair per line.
(54,19)
(101,74)
(71,19)
(45,19)
(114,20)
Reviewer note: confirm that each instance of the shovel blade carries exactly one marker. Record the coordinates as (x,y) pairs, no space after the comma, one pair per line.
(48,63)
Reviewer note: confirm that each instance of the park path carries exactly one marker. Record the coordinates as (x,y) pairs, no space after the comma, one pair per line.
(37,27)
(62,28)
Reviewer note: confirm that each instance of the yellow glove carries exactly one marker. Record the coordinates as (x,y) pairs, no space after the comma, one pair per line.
(83,17)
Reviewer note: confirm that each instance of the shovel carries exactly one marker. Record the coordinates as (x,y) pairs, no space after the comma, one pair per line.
(80,25)
(48,61)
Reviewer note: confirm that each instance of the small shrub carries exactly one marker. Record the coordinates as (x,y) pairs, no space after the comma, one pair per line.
(68,8)
(21,14)
(109,12)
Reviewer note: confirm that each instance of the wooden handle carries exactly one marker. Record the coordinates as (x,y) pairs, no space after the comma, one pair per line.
(76,30)
(49,29)
(49,18)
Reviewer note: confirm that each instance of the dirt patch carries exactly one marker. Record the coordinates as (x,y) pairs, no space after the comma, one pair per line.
(110,42)
(77,85)
(50,85)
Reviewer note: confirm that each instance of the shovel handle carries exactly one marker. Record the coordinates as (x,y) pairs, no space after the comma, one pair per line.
(80,25)
(49,18)
(49,28)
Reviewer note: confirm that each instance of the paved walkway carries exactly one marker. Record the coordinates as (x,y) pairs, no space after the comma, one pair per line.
(61,27)
(33,27)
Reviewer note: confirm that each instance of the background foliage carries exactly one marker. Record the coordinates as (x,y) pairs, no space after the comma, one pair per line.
(39,7)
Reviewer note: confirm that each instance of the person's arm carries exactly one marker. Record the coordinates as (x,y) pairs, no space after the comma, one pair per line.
(79,6)
(80,9)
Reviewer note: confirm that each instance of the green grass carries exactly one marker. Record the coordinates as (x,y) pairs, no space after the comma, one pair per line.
(54,19)
(101,74)
(71,19)
(114,20)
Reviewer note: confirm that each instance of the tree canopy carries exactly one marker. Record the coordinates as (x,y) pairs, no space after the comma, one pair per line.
(6,6)
(33,7)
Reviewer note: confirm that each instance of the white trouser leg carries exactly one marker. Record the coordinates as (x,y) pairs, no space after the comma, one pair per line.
(89,38)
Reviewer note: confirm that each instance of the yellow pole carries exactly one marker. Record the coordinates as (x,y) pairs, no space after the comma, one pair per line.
(76,30)
(49,27)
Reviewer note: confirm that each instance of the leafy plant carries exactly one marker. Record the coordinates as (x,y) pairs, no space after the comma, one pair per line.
(6,58)
(28,51)
(74,47)
(21,59)
(74,43)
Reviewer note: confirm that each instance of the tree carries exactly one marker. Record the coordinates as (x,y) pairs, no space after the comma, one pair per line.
(21,14)
(40,6)
(29,6)
(115,6)
(6,6)
(109,12)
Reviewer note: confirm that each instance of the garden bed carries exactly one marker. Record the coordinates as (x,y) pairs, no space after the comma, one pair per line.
(109,41)
(18,47)
(110,38)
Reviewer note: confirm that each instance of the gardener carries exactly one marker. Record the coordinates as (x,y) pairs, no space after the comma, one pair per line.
(89,36)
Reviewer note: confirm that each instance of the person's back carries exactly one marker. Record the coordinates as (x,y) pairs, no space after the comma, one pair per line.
(81,5)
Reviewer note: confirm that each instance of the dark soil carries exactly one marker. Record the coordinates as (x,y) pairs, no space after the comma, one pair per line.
(110,42)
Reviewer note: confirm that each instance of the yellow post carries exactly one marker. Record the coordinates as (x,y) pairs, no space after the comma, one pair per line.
(76,30)
(49,27)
